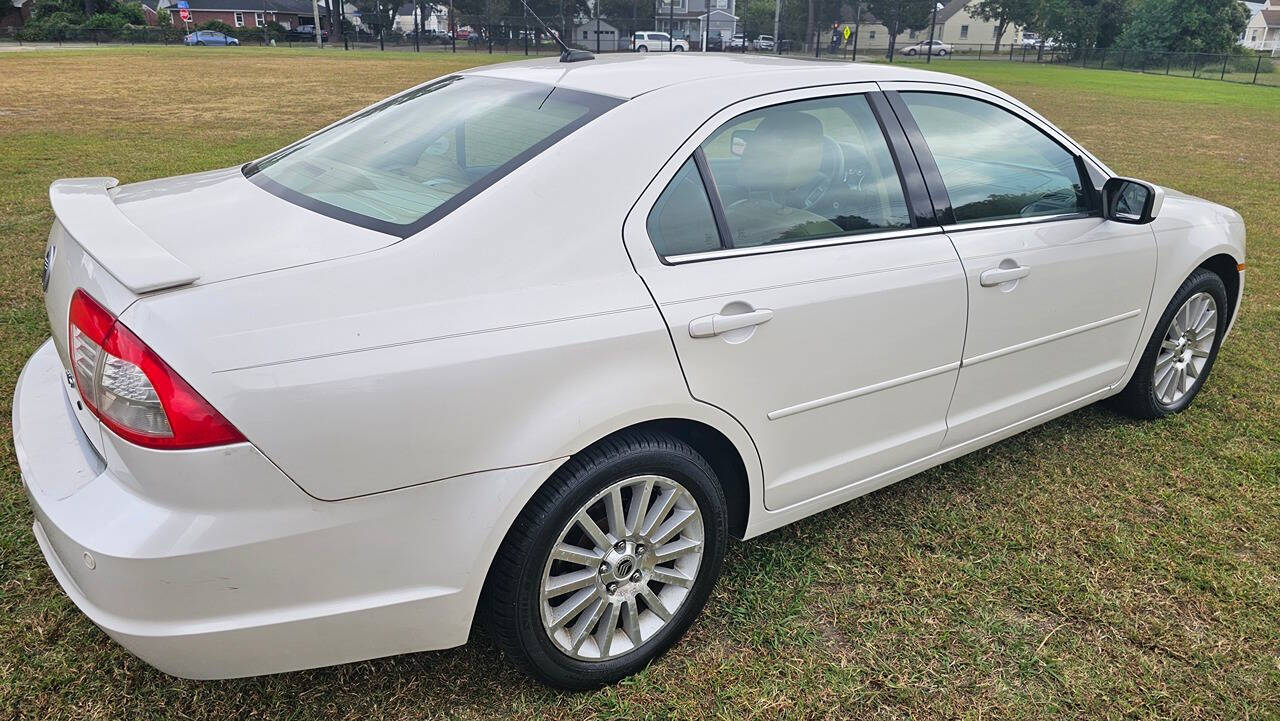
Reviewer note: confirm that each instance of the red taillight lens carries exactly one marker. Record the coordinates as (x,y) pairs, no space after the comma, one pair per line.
(132,391)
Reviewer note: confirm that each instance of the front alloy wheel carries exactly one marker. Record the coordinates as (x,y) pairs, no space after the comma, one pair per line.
(1181,351)
(1185,350)
(610,561)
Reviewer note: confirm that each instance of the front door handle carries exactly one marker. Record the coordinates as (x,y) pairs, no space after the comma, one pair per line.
(996,276)
(712,325)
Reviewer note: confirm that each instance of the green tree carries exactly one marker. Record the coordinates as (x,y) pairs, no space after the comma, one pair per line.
(1203,26)
(1001,12)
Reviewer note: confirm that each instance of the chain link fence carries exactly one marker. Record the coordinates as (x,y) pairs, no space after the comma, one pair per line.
(521,35)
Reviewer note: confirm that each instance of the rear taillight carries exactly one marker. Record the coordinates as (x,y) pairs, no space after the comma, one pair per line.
(132,391)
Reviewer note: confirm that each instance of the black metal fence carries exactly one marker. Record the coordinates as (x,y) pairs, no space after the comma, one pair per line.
(519,35)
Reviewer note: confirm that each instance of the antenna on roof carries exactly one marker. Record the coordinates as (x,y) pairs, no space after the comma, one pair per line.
(567,54)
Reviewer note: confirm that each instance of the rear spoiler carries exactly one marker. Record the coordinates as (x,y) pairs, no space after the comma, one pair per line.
(89,215)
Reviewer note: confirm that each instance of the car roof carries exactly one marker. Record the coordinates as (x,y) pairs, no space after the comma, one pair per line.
(627,75)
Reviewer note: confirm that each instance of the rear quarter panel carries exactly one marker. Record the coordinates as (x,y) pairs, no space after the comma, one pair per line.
(512,332)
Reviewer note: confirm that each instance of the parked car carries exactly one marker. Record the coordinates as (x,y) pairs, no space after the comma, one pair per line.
(737,41)
(306,33)
(715,41)
(764,42)
(935,47)
(209,37)
(657,42)
(359,412)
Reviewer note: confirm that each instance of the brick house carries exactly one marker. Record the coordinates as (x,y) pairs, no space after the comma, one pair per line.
(244,13)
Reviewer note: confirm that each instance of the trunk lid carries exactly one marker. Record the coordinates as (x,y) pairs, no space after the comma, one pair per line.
(223,226)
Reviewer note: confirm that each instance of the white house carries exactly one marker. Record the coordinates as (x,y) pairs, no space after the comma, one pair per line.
(688,18)
(1263,31)
(599,35)
(435,19)
(956,24)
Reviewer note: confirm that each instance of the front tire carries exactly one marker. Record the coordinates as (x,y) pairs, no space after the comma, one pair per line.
(609,563)
(679,48)
(1181,352)
(911,52)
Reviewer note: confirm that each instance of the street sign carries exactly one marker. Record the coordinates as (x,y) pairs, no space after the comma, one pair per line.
(185,14)
(183,5)
(847,33)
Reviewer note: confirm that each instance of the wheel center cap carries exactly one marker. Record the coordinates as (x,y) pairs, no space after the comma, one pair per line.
(624,568)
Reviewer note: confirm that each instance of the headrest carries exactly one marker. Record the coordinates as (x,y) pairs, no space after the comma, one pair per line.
(784,153)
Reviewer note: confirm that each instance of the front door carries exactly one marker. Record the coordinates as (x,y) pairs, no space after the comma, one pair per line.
(1057,294)
(800,294)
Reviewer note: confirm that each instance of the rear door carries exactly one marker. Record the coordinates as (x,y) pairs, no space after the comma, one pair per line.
(802,293)
(1057,294)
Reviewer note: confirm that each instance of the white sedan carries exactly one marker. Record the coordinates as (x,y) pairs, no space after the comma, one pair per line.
(437,364)
(929,47)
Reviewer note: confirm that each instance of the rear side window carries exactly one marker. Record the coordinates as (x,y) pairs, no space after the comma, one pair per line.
(995,165)
(681,221)
(407,162)
(805,170)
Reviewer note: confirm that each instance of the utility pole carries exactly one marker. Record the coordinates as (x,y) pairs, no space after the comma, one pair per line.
(315,18)
(453,29)
(777,18)
(893,33)
(857,26)
(933,23)
(671,25)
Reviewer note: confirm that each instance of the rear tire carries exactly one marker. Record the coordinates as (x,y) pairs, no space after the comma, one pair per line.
(1177,360)
(942,53)
(618,629)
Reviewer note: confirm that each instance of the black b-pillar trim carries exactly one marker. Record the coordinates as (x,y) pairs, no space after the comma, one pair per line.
(928,167)
(922,213)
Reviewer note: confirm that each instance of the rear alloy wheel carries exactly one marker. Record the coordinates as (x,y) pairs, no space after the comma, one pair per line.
(1181,352)
(610,562)
(942,53)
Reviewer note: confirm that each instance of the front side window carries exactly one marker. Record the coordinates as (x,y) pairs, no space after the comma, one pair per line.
(995,165)
(403,164)
(805,170)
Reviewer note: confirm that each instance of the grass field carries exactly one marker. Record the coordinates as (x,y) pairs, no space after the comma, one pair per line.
(1093,567)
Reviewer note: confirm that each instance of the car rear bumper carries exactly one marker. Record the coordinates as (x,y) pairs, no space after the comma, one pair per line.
(213,564)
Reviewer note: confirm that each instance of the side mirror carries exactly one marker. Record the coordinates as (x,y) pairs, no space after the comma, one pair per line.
(1126,200)
(738,141)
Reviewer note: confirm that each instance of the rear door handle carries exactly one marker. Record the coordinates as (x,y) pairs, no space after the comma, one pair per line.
(996,276)
(713,325)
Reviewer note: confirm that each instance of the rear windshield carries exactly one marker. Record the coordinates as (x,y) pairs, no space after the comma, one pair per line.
(405,163)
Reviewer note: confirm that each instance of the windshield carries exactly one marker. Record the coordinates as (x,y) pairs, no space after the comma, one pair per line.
(405,163)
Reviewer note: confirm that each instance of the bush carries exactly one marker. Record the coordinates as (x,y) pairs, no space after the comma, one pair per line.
(218,26)
(132,13)
(103,21)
